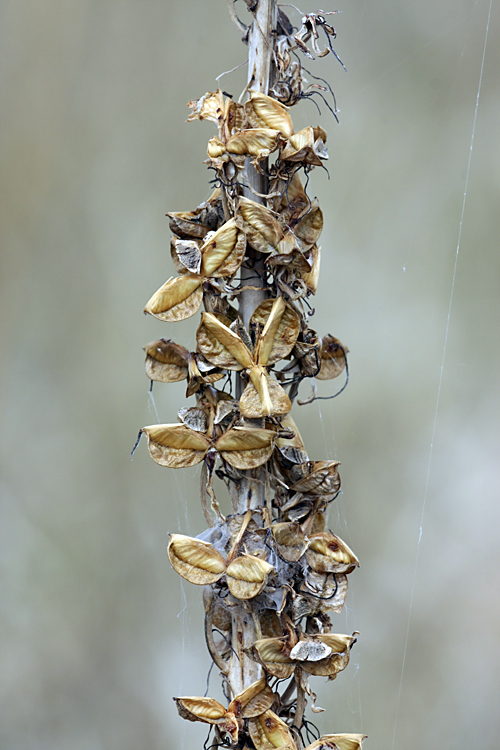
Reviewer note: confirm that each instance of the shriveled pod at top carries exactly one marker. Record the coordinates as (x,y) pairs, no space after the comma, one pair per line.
(332,357)
(269,732)
(278,327)
(327,553)
(306,146)
(221,254)
(251,703)
(262,229)
(178,446)
(264,111)
(338,742)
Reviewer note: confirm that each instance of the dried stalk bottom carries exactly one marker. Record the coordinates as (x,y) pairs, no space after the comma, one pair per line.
(272,572)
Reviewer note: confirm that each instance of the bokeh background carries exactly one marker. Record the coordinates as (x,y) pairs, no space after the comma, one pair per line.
(98,633)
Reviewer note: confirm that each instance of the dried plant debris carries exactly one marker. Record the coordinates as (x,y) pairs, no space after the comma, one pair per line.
(272,564)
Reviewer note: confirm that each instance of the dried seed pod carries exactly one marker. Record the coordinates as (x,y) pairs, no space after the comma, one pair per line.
(333,358)
(194,560)
(264,111)
(257,142)
(329,554)
(291,542)
(337,661)
(338,742)
(223,251)
(246,576)
(261,228)
(253,701)
(274,655)
(269,732)
(177,299)
(166,361)
(246,447)
(319,478)
(187,255)
(328,589)
(209,711)
(196,224)
(306,146)
(176,445)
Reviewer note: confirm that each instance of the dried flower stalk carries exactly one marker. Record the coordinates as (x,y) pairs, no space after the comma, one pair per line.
(272,572)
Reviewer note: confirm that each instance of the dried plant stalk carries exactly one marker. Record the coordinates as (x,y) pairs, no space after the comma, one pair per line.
(272,572)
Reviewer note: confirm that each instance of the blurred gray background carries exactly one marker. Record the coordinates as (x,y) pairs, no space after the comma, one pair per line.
(98,633)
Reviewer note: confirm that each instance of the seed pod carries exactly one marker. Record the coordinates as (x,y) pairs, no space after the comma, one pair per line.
(261,228)
(194,560)
(264,111)
(306,146)
(329,554)
(340,646)
(320,478)
(338,742)
(253,701)
(209,711)
(291,542)
(269,732)
(166,361)
(333,359)
(328,589)
(177,299)
(223,251)
(257,142)
(246,576)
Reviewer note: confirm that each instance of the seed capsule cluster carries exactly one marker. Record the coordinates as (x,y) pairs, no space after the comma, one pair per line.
(271,564)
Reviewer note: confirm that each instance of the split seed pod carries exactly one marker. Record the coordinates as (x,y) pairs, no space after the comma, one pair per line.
(333,358)
(306,146)
(177,446)
(262,230)
(264,111)
(223,347)
(329,554)
(269,732)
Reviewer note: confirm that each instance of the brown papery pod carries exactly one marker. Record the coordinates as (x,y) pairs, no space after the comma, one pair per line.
(223,251)
(259,224)
(177,299)
(281,327)
(333,358)
(274,655)
(338,742)
(257,142)
(246,447)
(310,226)
(208,711)
(306,146)
(290,540)
(253,701)
(220,345)
(175,445)
(339,659)
(264,111)
(328,589)
(327,553)
(246,576)
(322,478)
(194,560)
(166,361)
(311,277)
(263,396)
(268,732)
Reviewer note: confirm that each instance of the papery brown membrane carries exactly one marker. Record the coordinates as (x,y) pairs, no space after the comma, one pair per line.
(333,358)
(252,702)
(194,560)
(209,711)
(269,732)
(268,398)
(246,447)
(274,655)
(259,224)
(177,299)
(328,589)
(195,224)
(264,111)
(290,540)
(338,742)
(246,576)
(166,361)
(281,327)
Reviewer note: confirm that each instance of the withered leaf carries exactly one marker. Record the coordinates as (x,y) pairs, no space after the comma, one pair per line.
(194,560)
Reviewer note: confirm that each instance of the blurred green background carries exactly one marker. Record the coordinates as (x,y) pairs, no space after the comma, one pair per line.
(98,633)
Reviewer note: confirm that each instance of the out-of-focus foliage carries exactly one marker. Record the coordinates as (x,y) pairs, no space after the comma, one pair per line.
(97,633)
